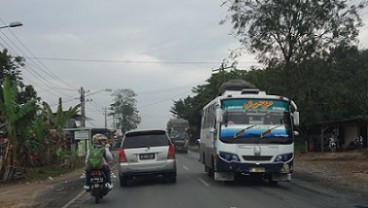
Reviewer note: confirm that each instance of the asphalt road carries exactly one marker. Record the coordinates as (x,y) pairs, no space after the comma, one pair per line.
(195,190)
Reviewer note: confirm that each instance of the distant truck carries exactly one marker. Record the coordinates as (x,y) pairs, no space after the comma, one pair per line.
(177,129)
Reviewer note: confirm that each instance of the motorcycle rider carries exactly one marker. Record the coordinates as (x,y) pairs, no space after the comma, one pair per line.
(99,141)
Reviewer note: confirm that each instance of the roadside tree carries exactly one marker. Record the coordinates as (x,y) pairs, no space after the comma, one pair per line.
(125,109)
(285,33)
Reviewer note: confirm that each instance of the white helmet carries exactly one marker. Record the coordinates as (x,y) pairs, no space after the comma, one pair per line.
(99,138)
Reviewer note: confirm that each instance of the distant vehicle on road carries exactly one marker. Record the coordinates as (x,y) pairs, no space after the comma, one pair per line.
(146,153)
(178,132)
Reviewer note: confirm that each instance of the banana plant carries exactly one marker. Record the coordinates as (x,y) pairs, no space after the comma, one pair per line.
(13,113)
(55,123)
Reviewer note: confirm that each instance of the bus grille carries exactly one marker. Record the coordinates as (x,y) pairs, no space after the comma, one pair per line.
(257,158)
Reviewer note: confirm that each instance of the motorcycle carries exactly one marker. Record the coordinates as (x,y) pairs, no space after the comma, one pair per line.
(98,185)
(357,143)
(332,144)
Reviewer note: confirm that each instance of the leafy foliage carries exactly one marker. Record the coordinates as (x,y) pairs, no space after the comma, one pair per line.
(293,31)
(31,133)
(9,66)
(332,87)
(125,109)
(15,116)
(55,137)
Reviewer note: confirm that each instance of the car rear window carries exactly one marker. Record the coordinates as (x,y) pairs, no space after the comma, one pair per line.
(145,139)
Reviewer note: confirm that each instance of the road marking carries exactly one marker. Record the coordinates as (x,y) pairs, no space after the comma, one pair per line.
(74,199)
(185,167)
(203,182)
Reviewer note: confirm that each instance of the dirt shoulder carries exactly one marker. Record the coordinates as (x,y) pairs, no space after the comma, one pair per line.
(341,171)
(23,194)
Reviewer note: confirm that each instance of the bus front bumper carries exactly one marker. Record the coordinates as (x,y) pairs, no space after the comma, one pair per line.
(254,168)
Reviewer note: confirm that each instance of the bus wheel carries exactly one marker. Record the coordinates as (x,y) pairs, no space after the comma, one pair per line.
(210,172)
(272,182)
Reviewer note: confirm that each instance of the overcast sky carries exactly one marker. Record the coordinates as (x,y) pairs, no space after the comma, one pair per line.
(160,49)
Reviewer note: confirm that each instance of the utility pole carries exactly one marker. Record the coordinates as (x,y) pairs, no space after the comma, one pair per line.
(83,107)
(105,118)
(83,103)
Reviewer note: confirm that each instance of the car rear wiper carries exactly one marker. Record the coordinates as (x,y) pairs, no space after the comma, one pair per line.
(239,133)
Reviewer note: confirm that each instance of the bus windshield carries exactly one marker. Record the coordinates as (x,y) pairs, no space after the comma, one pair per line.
(256,121)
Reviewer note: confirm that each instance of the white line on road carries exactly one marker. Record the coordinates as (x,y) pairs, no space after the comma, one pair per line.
(74,199)
(185,167)
(203,182)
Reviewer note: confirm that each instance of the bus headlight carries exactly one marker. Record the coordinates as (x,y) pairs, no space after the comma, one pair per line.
(229,157)
(284,157)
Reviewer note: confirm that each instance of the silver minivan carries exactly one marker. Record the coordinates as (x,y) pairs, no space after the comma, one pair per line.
(147,152)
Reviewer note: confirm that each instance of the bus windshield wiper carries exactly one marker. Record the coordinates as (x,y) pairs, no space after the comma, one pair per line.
(239,133)
(269,131)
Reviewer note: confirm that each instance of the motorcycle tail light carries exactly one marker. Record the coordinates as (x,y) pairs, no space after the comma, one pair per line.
(96,173)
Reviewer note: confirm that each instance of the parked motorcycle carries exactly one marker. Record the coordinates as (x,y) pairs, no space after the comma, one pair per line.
(332,144)
(357,143)
(98,185)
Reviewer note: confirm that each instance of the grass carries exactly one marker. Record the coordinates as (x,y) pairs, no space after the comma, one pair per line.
(42,173)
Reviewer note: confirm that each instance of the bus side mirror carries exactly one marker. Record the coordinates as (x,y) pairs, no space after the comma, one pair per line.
(213,131)
(218,115)
(296,118)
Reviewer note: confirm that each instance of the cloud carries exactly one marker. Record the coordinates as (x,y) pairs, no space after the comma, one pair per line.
(160,49)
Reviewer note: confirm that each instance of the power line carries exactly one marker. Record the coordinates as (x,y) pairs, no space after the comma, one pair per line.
(32,72)
(133,61)
(163,100)
(32,64)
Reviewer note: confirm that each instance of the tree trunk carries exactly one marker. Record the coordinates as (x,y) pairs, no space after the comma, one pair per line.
(5,161)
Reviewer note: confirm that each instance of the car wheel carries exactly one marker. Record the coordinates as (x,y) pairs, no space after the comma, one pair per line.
(172,178)
(123,181)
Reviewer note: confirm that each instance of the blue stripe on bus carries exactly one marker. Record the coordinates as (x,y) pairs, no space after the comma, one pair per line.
(254,132)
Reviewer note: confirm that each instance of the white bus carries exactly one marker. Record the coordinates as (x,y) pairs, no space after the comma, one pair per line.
(247,132)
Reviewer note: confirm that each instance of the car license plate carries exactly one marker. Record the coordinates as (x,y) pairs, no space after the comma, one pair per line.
(257,170)
(149,156)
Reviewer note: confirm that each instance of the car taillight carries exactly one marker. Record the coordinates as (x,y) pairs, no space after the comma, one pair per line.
(122,156)
(171,153)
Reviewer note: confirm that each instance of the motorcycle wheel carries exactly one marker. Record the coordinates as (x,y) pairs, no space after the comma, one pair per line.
(333,147)
(97,195)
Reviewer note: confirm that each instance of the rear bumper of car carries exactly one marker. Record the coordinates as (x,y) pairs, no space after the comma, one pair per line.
(147,174)
(129,170)
(180,147)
